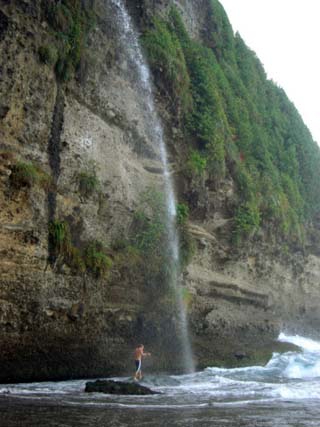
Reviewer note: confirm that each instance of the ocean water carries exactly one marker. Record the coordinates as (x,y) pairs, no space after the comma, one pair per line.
(285,392)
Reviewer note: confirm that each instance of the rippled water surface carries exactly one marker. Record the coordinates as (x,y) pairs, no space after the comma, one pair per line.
(286,392)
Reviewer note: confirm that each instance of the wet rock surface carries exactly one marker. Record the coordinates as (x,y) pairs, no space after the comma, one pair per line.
(117,387)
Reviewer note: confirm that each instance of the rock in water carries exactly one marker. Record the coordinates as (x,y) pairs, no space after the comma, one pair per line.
(117,387)
(239,355)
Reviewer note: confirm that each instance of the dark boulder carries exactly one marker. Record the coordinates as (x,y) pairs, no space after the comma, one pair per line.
(239,355)
(117,387)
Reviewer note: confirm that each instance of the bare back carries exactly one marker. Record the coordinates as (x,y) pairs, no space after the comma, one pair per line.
(138,353)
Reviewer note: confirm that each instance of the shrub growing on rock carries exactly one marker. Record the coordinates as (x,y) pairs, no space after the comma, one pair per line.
(71,20)
(60,237)
(247,220)
(62,247)
(182,213)
(28,174)
(96,260)
(88,183)
(93,259)
(48,54)
(196,164)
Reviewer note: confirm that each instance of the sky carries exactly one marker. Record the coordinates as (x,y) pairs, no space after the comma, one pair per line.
(285,35)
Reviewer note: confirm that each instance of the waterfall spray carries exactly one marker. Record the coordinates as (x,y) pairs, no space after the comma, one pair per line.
(131,46)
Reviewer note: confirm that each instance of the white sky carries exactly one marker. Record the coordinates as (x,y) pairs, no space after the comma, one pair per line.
(285,34)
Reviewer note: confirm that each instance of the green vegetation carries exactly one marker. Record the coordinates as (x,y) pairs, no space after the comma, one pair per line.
(71,22)
(247,220)
(128,259)
(93,259)
(168,63)
(144,253)
(60,236)
(96,260)
(88,181)
(186,242)
(186,246)
(147,250)
(196,164)
(29,174)
(48,54)
(236,121)
(182,213)
(63,249)
(150,237)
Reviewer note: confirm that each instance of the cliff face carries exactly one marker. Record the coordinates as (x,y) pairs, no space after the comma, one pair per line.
(56,321)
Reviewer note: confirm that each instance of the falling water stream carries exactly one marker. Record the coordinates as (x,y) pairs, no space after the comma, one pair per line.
(142,78)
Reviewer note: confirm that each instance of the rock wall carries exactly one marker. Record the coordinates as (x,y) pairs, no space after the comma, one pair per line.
(54,323)
(57,324)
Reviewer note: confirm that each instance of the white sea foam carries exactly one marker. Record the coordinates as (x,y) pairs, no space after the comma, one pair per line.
(305,343)
(299,392)
(287,377)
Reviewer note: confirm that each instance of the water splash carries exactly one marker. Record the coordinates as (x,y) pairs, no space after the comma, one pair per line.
(304,365)
(290,376)
(142,77)
(306,343)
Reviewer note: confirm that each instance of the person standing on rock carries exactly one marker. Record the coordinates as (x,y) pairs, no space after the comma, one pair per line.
(138,355)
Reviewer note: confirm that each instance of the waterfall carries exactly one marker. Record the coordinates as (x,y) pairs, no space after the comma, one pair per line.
(131,47)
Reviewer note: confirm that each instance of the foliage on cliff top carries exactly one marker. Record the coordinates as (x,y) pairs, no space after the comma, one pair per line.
(168,62)
(239,122)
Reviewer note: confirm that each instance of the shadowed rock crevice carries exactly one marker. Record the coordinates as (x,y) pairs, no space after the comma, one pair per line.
(4,23)
(54,147)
